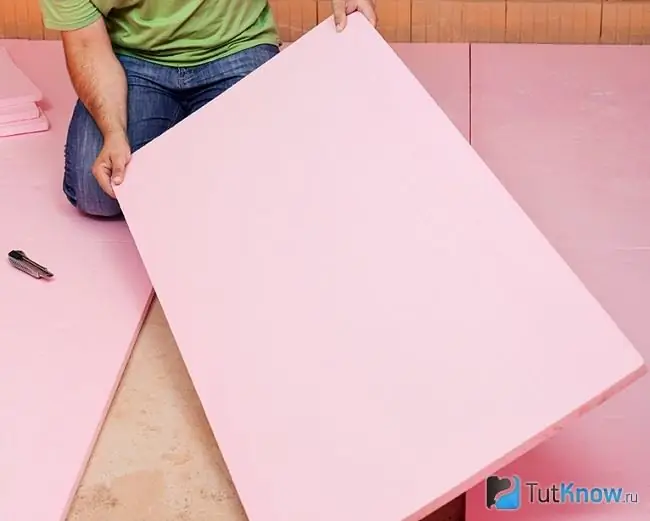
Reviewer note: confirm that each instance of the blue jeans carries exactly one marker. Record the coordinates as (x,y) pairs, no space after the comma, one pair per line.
(158,98)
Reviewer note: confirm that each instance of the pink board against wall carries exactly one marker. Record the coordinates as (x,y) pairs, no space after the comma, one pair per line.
(16,88)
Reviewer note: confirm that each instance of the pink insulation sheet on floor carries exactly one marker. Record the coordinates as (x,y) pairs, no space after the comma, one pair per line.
(365,312)
(64,342)
(443,70)
(565,128)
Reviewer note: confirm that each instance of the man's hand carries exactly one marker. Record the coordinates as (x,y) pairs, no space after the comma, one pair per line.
(111,162)
(100,82)
(342,8)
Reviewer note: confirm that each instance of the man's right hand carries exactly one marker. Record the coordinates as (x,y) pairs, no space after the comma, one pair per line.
(111,162)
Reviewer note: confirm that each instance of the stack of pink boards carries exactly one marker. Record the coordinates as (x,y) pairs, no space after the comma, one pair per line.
(372,323)
(20,112)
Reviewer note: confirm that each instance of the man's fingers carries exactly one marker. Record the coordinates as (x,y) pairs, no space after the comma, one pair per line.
(102,172)
(367,9)
(342,8)
(340,18)
(118,168)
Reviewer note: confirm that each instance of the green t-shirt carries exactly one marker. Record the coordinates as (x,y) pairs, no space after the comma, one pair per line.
(181,33)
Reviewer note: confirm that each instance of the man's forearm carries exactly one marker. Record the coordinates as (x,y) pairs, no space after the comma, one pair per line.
(98,77)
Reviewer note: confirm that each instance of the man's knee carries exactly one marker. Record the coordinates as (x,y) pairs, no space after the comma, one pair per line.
(82,147)
(86,199)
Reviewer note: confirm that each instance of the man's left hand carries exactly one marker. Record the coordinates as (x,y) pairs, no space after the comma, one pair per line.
(342,8)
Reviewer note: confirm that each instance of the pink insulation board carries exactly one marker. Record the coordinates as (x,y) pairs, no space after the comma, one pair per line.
(364,310)
(64,342)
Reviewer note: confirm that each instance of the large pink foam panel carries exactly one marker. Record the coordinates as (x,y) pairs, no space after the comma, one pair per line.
(565,129)
(443,70)
(371,322)
(64,342)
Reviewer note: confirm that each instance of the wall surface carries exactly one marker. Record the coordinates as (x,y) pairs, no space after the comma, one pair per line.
(539,21)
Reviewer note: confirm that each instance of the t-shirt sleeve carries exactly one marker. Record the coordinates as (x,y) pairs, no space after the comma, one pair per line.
(68,15)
